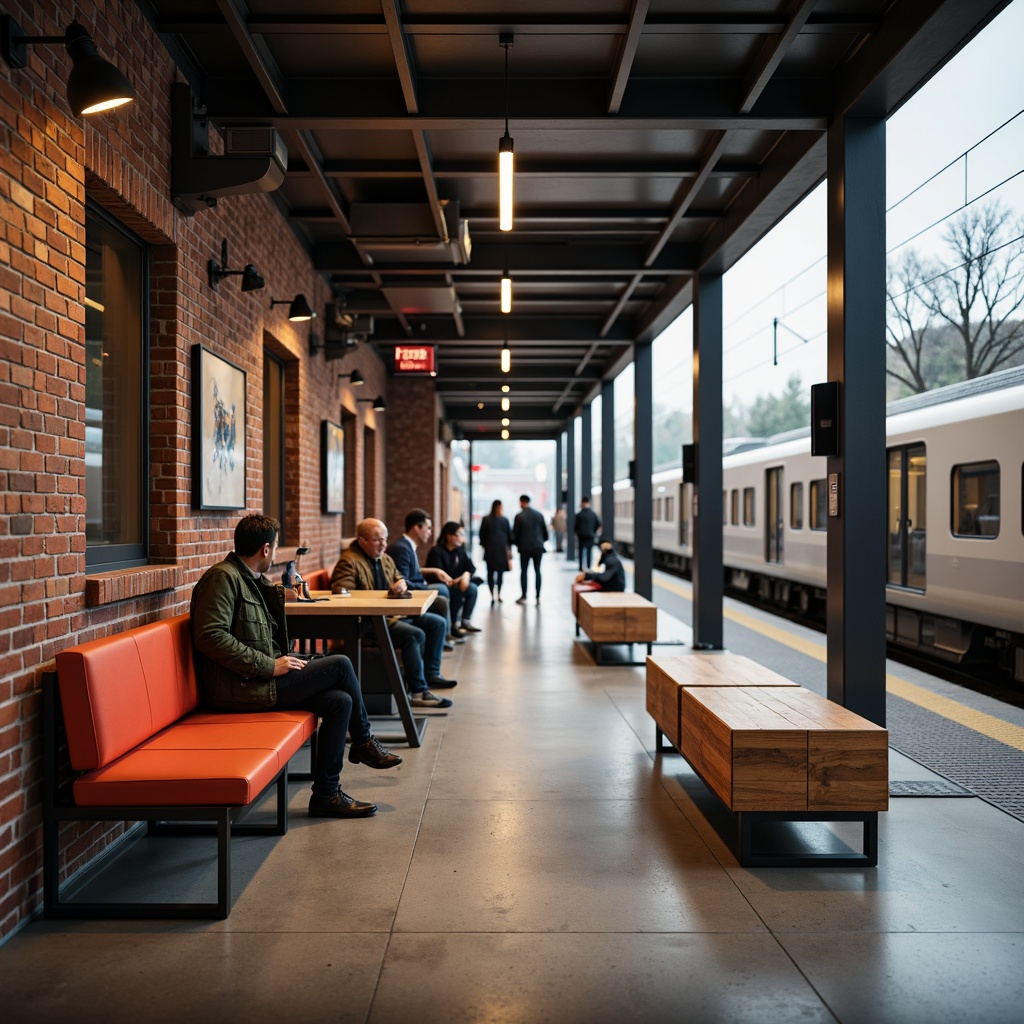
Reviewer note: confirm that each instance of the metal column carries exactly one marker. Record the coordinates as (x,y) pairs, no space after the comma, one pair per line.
(643,453)
(570,500)
(586,451)
(469,518)
(856,359)
(608,459)
(708,575)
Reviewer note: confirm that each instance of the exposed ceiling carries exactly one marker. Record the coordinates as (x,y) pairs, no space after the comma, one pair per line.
(653,138)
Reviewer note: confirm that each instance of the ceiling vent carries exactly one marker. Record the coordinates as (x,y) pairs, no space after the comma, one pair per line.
(407,233)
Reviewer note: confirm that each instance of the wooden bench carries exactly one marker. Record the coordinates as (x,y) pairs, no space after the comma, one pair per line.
(773,751)
(616,618)
(140,748)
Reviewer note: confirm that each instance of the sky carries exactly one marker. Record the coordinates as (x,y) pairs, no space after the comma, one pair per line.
(784,275)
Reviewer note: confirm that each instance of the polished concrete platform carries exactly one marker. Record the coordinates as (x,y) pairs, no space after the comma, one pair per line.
(535,861)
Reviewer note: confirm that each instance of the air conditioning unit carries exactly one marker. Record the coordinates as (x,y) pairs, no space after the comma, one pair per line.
(407,233)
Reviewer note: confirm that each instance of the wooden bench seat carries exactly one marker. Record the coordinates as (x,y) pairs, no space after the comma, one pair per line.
(140,748)
(616,618)
(772,750)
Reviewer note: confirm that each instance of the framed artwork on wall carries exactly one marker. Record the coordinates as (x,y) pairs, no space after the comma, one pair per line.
(218,432)
(332,468)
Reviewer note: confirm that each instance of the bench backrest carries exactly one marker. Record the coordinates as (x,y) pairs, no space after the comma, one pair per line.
(119,690)
(319,580)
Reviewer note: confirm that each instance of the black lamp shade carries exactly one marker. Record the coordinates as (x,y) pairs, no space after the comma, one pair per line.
(379,405)
(356,378)
(251,280)
(94,84)
(300,309)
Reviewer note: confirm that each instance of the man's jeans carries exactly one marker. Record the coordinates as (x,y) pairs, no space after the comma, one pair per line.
(463,602)
(421,641)
(329,688)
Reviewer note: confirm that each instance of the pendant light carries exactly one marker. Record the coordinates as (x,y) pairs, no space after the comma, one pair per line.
(506,157)
(506,359)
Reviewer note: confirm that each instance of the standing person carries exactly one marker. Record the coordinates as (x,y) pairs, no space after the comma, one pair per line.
(559,521)
(529,532)
(450,554)
(587,527)
(240,634)
(496,540)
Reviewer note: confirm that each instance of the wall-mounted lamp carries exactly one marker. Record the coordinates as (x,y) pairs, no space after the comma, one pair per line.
(506,359)
(94,84)
(379,405)
(298,308)
(251,280)
(355,378)
(506,157)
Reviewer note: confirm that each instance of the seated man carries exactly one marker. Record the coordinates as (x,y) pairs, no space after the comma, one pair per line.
(363,565)
(450,555)
(240,635)
(610,573)
(418,528)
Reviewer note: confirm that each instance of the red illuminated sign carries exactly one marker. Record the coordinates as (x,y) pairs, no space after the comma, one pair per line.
(415,359)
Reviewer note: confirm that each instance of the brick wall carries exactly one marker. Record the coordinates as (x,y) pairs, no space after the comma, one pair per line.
(49,164)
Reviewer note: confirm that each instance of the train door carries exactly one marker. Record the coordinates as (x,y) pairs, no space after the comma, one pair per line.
(907,517)
(773,514)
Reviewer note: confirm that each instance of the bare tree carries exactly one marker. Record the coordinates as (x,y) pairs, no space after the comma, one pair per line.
(984,289)
(908,325)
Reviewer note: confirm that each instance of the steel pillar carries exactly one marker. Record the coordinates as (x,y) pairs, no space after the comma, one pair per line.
(856,359)
(608,459)
(643,454)
(708,575)
(586,451)
(571,499)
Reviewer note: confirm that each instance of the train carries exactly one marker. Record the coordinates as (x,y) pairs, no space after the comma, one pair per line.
(954,554)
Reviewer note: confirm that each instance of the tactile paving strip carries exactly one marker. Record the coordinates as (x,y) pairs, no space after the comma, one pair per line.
(986,767)
(917,787)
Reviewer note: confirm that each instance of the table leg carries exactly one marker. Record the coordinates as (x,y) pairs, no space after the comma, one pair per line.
(413,727)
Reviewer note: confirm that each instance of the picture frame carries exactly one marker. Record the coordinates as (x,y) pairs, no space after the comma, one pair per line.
(332,468)
(219,432)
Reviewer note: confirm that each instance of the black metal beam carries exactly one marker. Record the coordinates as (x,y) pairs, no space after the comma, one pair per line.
(627,53)
(571,331)
(527,167)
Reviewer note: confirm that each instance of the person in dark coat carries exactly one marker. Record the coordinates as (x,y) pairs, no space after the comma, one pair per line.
(611,574)
(529,532)
(587,526)
(496,540)
(450,555)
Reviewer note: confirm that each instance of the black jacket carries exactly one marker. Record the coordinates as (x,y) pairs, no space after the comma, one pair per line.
(496,540)
(613,574)
(587,524)
(529,531)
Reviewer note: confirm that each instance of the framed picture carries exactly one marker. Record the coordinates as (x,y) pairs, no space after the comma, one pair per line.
(218,432)
(332,468)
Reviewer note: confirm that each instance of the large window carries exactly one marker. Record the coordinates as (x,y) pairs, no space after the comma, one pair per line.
(116,395)
(976,499)
(273,440)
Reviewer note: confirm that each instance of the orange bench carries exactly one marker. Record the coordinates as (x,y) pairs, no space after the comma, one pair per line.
(142,749)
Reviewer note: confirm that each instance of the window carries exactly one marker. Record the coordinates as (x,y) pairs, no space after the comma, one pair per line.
(725,508)
(819,505)
(734,515)
(796,506)
(273,440)
(116,395)
(670,510)
(976,500)
(657,508)
(748,506)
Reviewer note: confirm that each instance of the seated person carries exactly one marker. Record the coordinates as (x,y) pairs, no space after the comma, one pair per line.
(450,555)
(610,574)
(363,565)
(418,528)
(240,634)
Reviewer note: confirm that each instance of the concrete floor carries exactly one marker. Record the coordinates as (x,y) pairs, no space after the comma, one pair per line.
(534,861)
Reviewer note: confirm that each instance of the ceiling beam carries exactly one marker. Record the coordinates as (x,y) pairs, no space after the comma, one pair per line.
(772,52)
(627,53)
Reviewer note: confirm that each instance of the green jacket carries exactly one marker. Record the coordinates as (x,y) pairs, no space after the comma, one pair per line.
(239,629)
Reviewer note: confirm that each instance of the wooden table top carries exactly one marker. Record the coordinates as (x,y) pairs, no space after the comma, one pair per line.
(361,602)
(715,668)
(613,599)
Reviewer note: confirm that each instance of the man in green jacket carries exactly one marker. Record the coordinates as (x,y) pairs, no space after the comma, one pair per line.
(240,634)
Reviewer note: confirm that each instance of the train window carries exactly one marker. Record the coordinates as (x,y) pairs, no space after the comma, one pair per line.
(819,505)
(670,509)
(657,508)
(735,513)
(725,508)
(976,500)
(748,506)
(796,506)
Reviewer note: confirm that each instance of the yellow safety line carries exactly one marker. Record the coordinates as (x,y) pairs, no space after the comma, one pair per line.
(988,725)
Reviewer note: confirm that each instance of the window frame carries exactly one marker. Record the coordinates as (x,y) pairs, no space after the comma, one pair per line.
(796,505)
(749,506)
(115,557)
(812,505)
(954,499)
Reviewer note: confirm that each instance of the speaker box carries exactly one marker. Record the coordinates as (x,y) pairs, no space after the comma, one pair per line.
(825,418)
(689,463)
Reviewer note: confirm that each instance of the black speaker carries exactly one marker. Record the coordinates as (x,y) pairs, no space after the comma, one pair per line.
(825,418)
(632,472)
(689,463)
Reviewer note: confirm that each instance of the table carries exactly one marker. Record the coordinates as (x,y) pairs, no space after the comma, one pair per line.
(612,617)
(338,618)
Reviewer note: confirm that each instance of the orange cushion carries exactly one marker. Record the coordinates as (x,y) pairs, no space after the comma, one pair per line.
(204,759)
(319,580)
(119,690)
